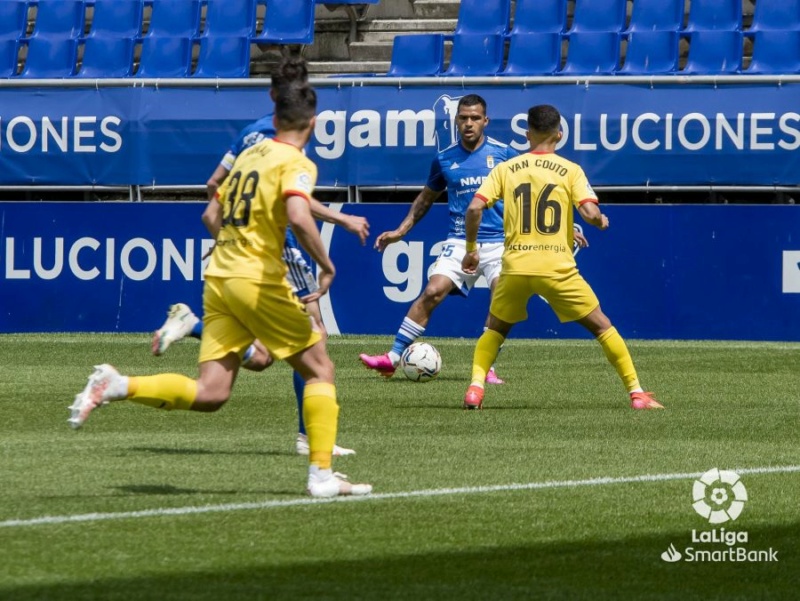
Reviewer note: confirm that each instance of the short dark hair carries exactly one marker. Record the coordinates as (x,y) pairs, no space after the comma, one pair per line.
(544,118)
(471,100)
(295,106)
(291,70)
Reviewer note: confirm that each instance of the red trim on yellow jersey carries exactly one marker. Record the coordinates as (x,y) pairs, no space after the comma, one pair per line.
(585,200)
(289,193)
(540,152)
(483,198)
(286,143)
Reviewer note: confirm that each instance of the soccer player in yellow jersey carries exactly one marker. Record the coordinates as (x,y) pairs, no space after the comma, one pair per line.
(539,190)
(246,295)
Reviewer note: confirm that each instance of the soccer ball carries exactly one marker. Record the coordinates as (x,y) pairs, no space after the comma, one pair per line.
(421,362)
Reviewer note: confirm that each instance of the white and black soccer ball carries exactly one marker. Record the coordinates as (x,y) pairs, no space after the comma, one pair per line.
(421,362)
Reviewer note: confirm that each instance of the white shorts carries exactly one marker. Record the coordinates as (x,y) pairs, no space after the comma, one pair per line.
(449,264)
(300,276)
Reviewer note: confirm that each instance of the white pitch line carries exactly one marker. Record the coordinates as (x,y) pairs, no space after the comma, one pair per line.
(438,492)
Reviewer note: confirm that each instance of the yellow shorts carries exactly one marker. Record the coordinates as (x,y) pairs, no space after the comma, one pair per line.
(238,310)
(570,297)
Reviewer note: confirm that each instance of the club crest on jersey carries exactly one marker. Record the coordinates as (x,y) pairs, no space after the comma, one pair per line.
(490,162)
(304,182)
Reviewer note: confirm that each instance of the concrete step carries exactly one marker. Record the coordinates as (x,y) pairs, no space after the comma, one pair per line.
(371,51)
(384,31)
(325,68)
(437,9)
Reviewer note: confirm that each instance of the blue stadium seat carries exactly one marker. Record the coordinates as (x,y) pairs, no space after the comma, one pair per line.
(417,55)
(656,15)
(59,18)
(107,56)
(50,57)
(223,56)
(592,53)
(707,15)
(121,18)
(8,57)
(651,53)
(483,16)
(776,14)
(230,18)
(534,54)
(599,15)
(164,56)
(13,19)
(178,18)
(476,54)
(714,53)
(288,23)
(775,53)
(547,16)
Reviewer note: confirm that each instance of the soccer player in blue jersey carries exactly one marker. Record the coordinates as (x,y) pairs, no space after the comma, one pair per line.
(459,169)
(182,322)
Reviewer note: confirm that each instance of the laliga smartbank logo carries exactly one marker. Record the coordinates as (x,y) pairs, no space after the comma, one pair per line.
(719,496)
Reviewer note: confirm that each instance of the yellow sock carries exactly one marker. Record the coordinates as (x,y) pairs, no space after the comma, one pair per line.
(485,353)
(617,354)
(321,415)
(165,391)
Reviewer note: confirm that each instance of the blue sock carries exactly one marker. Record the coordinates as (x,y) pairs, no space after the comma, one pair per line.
(409,331)
(197,330)
(299,388)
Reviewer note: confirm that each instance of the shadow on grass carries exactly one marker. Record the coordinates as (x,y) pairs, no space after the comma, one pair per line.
(179,451)
(626,569)
(168,489)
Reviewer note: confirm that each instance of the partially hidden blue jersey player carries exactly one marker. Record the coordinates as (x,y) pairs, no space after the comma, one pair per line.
(182,322)
(460,170)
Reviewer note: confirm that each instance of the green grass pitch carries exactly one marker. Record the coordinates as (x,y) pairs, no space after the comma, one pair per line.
(556,490)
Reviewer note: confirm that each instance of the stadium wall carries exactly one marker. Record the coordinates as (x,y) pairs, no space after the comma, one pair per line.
(661,271)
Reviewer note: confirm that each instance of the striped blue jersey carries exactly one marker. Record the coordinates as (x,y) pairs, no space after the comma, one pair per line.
(461,173)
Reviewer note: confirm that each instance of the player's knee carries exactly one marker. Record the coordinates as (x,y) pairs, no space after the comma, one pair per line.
(259,362)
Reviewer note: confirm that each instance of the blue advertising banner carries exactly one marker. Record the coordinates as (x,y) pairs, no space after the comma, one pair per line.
(661,271)
(623,134)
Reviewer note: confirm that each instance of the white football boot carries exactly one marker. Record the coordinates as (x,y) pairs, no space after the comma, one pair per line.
(326,484)
(179,324)
(301,445)
(105,385)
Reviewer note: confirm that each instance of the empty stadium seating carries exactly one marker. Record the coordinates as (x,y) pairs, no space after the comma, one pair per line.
(50,57)
(288,23)
(592,53)
(13,19)
(775,52)
(106,38)
(545,16)
(776,15)
(717,52)
(227,56)
(656,15)
(705,15)
(534,54)
(651,53)
(107,56)
(165,56)
(230,18)
(417,55)
(476,54)
(119,18)
(8,57)
(599,15)
(483,17)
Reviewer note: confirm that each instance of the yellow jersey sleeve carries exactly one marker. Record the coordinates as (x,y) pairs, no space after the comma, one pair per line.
(298,179)
(580,189)
(491,190)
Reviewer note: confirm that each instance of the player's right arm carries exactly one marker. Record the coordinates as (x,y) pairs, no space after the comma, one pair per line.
(418,209)
(212,218)
(305,228)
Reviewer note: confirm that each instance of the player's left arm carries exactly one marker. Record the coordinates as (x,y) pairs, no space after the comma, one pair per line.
(352,223)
